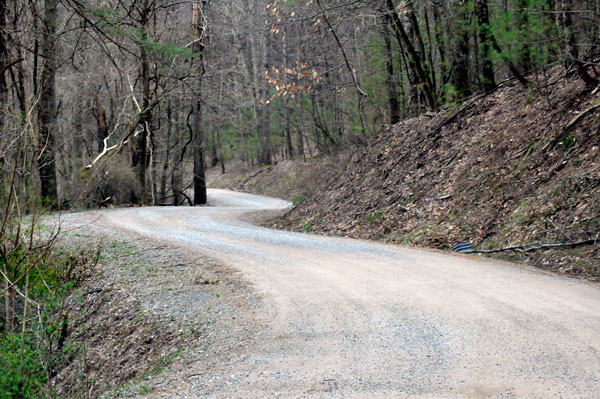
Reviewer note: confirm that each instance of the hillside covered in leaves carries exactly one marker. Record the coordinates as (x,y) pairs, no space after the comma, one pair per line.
(514,168)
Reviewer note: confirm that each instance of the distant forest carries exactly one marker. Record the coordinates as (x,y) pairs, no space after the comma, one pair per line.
(128,101)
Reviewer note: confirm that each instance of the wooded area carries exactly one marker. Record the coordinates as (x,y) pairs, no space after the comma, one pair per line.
(125,101)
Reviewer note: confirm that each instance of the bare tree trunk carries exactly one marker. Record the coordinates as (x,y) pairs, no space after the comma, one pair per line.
(200,197)
(214,157)
(286,102)
(141,144)
(178,151)
(165,167)
(3,65)
(264,129)
(391,81)
(300,127)
(572,53)
(415,59)
(485,36)
(488,41)
(522,25)
(101,123)
(439,8)
(47,110)
(461,56)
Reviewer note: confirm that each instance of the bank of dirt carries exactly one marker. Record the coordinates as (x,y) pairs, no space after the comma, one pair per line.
(144,308)
(518,167)
(291,180)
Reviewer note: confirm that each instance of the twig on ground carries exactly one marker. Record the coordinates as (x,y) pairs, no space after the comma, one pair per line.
(536,246)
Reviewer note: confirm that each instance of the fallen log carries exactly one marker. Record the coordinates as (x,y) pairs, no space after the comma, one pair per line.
(536,246)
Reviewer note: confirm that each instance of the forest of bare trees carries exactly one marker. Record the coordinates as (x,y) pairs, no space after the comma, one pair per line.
(125,101)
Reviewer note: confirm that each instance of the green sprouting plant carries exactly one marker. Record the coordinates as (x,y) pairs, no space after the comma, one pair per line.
(567,143)
(307,226)
(376,216)
(297,199)
(145,389)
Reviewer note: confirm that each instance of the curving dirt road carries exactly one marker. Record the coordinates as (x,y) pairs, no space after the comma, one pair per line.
(348,318)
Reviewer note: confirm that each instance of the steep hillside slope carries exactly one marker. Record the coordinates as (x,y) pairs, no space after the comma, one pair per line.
(516,167)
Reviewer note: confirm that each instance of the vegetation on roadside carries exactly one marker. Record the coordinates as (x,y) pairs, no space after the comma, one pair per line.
(37,279)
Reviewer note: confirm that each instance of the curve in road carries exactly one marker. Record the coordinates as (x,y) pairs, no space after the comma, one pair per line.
(350,318)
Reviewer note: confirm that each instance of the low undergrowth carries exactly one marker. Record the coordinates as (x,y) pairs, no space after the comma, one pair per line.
(34,324)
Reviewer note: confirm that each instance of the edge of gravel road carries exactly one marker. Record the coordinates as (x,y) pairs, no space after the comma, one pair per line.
(148,311)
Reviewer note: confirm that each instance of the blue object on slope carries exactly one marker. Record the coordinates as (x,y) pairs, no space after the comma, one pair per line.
(462,247)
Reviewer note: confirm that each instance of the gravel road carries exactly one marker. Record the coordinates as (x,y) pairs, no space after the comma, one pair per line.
(344,318)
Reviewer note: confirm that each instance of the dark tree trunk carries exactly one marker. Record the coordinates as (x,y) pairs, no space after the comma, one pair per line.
(176,173)
(200,197)
(460,75)
(415,59)
(288,132)
(286,104)
(572,52)
(142,142)
(47,114)
(214,156)
(438,9)
(485,37)
(3,63)
(165,166)
(391,80)
(300,127)
(522,25)
(101,123)
(3,79)
(265,156)
(141,158)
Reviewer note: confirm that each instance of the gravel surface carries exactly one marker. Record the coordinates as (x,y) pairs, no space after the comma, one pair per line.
(310,316)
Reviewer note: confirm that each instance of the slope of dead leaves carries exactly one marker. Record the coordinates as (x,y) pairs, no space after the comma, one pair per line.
(513,167)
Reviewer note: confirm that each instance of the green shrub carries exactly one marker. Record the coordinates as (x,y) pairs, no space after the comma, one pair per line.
(297,199)
(23,373)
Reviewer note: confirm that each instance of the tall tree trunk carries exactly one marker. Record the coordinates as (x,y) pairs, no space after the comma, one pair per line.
(200,197)
(392,88)
(3,65)
(485,37)
(100,123)
(214,156)
(265,156)
(47,110)
(141,144)
(438,8)
(300,126)
(523,27)
(461,55)
(286,100)
(415,59)
(176,172)
(572,52)
(488,41)
(165,166)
